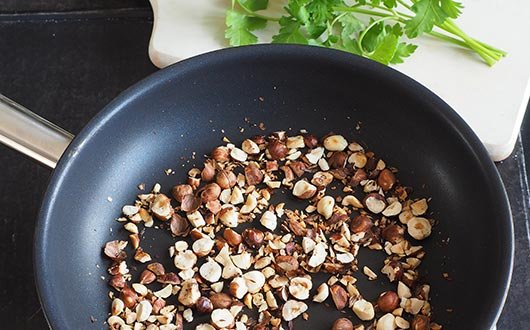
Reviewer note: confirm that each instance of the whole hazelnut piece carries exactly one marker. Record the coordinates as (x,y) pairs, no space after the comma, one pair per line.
(180,191)
(253,237)
(277,149)
(204,305)
(361,223)
(310,141)
(211,192)
(388,301)
(226,179)
(420,322)
(342,324)
(386,179)
(221,154)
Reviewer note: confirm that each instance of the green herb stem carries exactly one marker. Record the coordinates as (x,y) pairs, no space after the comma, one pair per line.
(254,14)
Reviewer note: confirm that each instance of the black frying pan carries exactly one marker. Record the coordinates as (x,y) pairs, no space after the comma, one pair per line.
(190,106)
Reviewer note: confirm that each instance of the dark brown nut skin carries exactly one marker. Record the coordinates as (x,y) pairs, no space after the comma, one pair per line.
(358,176)
(277,149)
(420,322)
(298,168)
(220,300)
(179,321)
(253,237)
(337,159)
(386,179)
(178,225)
(310,141)
(339,296)
(388,301)
(169,278)
(342,324)
(208,172)
(258,139)
(210,192)
(117,281)
(394,233)
(180,191)
(253,174)
(128,297)
(361,223)
(371,162)
(225,179)
(190,203)
(204,305)
(221,154)
(286,264)
(147,277)
(232,237)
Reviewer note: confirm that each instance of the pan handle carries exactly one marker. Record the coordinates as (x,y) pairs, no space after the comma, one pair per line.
(31,134)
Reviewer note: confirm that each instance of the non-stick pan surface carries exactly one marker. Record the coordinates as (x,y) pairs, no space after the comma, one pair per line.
(186,109)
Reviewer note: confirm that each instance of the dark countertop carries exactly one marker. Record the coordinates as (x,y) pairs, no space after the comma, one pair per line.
(66,67)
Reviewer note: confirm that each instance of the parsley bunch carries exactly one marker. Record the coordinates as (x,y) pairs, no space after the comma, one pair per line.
(377,29)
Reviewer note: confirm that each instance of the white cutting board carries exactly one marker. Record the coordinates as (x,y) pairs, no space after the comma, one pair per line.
(491,100)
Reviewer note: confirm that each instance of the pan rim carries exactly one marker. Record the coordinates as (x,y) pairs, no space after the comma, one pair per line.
(51,306)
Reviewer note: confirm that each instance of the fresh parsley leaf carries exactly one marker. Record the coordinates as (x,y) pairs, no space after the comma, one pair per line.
(385,50)
(390,3)
(373,37)
(289,32)
(452,8)
(298,10)
(350,25)
(428,13)
(254,5)
(403,51)
(239,27)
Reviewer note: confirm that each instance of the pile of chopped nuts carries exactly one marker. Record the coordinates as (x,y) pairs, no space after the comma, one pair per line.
(351,199)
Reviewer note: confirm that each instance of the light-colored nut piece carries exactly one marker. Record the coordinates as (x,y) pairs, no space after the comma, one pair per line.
(196,219)
(405,216)
(225,195)
(116,322)
(271,300)
(222,318)
(185,260)
(322,179)
(351,200)
(117,306)
(401,323)
(345,258)
(370,273)
(393,209)
(203,246)
(210,271)
(412,305)
(335,143)
(295,142)
(203,326)
(230,271)
(254,281)
(189,293)
(386,322)
(319,255)
(243,260)
(250,204)
(364,310)
(181,246)
(228,216)
(314,155)
(269,220)
(140,289)
(143,310)
(161,207)
(325,206)
(130,210)
(308,244)
(323,164)
(142,256)
(304,190)
(292,309)
(375,203)
(403,291)
(131,227)
(188,315)
(419,228)
(278,281)
(250,147)
(238,154)
(238,287)
(236,197)
(358,159)
(299,287)
(419,207)
(217,287)
(165,292)
(322,293)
